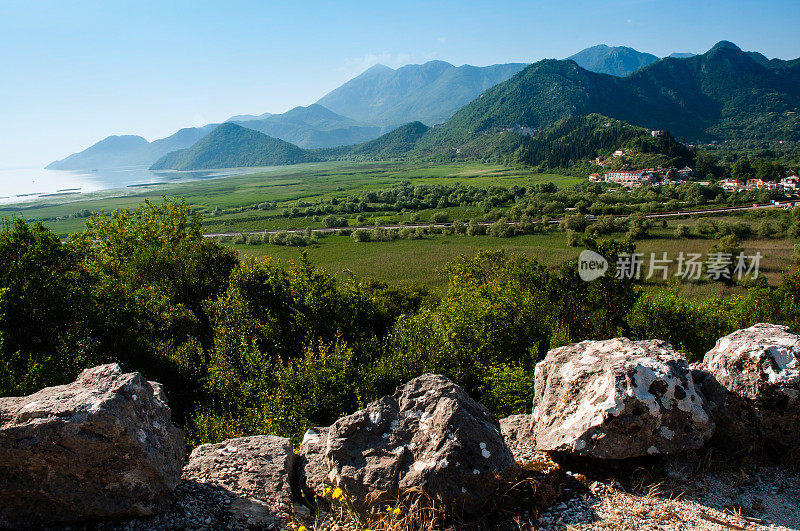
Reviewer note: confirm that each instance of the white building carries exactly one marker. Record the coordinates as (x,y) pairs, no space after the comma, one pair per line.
(790,183)
(627,178)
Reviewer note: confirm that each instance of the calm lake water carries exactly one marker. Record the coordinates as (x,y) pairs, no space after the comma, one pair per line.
(27,184)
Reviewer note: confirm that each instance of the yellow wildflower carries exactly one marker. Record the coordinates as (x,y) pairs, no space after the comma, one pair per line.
(396,511)
(337,493)
(301,528)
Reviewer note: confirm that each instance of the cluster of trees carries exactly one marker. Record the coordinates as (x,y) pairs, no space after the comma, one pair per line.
(535,201)
(259,346)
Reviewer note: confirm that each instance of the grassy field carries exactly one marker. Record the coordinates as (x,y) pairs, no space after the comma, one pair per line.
(395,261)
(422,260)
(284,184)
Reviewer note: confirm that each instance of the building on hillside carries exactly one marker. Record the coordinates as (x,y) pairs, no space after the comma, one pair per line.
(685,172)
(760,183)
(595,177)
(733,185)
(630,178)
(655,133)
(790,183)
(620,153)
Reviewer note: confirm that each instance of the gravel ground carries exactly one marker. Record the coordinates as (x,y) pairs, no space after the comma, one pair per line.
(751,497)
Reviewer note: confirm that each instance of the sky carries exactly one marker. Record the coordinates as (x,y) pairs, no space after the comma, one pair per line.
(74,72)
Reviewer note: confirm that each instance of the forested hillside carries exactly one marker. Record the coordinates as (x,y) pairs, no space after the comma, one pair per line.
(232,146)
(722,94)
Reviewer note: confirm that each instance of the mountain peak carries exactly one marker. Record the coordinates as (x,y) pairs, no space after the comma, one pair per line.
(725,45)
(377,68)
(617,61)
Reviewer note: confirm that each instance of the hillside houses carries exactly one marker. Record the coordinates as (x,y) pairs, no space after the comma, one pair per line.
(629,178)
(790,183)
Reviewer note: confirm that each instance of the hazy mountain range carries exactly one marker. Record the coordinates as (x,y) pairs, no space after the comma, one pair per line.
(313,127)
(724,93)
(429,93)
(129,150)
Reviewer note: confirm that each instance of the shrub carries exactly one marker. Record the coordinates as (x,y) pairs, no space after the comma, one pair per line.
(682,231)
(361,235)
(440,217)
(572,238)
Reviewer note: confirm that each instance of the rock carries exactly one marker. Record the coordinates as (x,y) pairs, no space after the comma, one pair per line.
(430,438)
(517,427)
(312,472)
(617,399)
(753,376)
(102,447)
(258,469)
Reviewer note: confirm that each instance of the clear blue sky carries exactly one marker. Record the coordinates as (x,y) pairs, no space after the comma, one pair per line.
(73,72)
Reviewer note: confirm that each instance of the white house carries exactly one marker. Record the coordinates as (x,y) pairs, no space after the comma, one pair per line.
(627,178)
(733,184)
(790,183)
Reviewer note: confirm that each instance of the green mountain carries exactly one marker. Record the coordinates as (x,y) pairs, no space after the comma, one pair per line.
(577,139)
(393,144)
(428,93)
(129,150)
(313,127)
(722,94)
(232,146)
(617,61)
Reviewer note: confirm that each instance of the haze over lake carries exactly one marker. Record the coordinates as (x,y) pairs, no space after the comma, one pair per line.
(27,184)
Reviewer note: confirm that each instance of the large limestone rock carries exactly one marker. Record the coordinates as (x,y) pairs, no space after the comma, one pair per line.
(102,447)
(617,399)
(312,471)
(257,470)
(753,378)
(428,437)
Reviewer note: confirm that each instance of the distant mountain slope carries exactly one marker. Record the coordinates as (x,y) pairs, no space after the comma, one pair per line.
(314,127)
(129,150)
(722,94)
(117,150)
(393,144)
(232,146)
(617,61)
(248,117)
(681,55)
(429,93)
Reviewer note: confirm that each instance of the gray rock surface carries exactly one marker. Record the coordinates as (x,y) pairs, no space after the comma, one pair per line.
(311,470)
(753,378)
(259,468)
(517,427)
(617,399)
(101,447)
(429,438)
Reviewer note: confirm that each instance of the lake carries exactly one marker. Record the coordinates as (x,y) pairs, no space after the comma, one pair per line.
(28,184)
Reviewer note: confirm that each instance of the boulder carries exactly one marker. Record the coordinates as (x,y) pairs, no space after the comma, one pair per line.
(753,379)
(102,447)
(517,427)
(258,470)
(427,441)
(617,399)
(312,473)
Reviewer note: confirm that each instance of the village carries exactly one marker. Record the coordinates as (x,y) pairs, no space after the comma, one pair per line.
(634,178)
